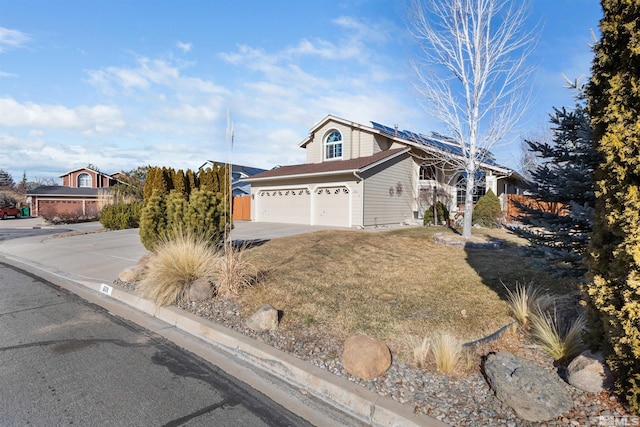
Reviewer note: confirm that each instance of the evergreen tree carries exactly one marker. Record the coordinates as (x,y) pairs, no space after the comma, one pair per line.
(180,183)
(614,253)
(558,216)
(488,210)
(6,180)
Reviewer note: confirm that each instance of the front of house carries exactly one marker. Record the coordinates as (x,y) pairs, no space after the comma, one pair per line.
(82,192)
(365,176)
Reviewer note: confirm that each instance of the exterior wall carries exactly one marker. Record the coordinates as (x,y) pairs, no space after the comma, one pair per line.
(356,142)
(98,180)
(388,195)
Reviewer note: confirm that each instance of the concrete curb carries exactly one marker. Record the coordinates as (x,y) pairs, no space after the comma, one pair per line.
(362,404)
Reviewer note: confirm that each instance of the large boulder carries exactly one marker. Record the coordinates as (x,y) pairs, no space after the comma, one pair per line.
(265,319)
(200,289)
(588,372)
(534,393)
(365,357)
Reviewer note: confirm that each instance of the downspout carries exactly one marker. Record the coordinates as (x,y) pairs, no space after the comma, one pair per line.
(359,178)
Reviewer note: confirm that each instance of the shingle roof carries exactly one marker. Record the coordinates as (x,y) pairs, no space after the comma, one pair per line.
(58,190)
(332,166)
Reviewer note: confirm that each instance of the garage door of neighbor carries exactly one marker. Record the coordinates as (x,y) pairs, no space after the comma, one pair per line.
(332,206)
(291,206)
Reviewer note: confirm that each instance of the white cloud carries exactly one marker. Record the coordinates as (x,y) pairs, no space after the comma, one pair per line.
(98,118)
(12,39)
(184,47)
(4,75)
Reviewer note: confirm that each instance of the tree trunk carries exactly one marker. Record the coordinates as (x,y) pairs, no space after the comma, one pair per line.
(468,204)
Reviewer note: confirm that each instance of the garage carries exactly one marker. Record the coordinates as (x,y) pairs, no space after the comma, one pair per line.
(332,206)
(288,205)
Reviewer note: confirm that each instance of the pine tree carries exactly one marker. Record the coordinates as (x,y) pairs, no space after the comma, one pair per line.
(488,210)
(558,216)
(614,253)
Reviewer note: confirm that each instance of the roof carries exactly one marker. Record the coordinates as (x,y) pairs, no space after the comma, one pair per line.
(246,170)
(59,190)
(434,142)
(359,164)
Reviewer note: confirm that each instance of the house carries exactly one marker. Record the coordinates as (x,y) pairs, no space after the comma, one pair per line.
(238,172)
(83,190)
(369,175)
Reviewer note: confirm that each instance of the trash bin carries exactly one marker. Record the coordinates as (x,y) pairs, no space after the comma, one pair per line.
(25,212)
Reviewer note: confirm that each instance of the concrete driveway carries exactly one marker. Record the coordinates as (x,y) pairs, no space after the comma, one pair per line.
(257,231)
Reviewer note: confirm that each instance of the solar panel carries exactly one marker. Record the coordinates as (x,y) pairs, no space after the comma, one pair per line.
(438,141)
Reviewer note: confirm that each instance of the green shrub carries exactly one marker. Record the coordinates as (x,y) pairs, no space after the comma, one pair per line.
(153,220)
(443,214)
(205,214)
(121,216)
(488,211)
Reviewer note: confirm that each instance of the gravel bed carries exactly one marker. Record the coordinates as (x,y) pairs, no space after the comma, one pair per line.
(458,400)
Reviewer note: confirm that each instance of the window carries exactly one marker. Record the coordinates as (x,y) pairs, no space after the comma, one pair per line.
(84,180)
(479,189)
(333,145)
(427,173)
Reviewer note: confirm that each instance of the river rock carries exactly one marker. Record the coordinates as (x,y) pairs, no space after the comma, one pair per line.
(265,319)
(588,372)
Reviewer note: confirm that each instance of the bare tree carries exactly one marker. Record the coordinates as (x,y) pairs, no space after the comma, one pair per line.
(472,76)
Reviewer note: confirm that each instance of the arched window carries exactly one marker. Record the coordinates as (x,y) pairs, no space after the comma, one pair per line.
(84,180)
(427,172)
(333,145)
(479,188)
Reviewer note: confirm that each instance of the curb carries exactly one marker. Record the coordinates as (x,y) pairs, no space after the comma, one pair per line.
(355,401)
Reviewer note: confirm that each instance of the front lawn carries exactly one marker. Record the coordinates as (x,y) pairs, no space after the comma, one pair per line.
(395,285)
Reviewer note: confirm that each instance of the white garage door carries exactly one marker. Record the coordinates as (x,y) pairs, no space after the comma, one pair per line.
(332,206)
(291,205)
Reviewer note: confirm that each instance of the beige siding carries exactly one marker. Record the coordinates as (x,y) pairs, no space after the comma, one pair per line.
(388,193)
(315,153)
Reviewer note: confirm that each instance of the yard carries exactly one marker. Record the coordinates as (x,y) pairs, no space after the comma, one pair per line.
(395,285)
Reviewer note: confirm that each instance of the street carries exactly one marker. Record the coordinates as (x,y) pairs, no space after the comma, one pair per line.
(65,361)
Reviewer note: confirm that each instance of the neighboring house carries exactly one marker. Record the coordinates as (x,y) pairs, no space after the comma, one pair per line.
(238,172)
(362,176)
(82,191)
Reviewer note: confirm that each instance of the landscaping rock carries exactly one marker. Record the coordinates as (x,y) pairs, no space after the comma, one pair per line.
(265,319)
(588,372)
(144,259)
(131,274)
(365,357)
(533,392)
(200,289)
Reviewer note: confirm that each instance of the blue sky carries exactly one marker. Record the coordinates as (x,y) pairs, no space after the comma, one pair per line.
(122,84)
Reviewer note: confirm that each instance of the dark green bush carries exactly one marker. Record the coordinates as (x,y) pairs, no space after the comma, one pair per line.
(443,214)
(121,216)
(488,211)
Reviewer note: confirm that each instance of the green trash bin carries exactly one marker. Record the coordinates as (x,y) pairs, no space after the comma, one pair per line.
(25,212)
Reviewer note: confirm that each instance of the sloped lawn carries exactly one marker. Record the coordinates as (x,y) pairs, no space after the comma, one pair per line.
(396,285)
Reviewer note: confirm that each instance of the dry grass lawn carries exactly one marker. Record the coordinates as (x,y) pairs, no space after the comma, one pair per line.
(396,285)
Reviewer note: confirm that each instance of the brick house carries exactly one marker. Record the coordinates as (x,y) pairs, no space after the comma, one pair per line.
(81,192)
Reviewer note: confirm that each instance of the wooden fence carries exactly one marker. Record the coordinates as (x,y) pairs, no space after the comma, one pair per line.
(242,208)
(513,212)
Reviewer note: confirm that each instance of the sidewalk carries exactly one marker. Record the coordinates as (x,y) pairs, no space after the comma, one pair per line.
(94,261)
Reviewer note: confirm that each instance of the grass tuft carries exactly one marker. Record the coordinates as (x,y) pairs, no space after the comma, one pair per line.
(421,351)
(560,338)
(525,300)
(179,259)
(446,350)
(234,272)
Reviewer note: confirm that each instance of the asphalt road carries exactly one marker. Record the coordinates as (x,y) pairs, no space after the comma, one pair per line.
(64,361)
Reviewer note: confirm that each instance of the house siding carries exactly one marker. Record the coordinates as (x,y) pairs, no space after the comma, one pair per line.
(383,204)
